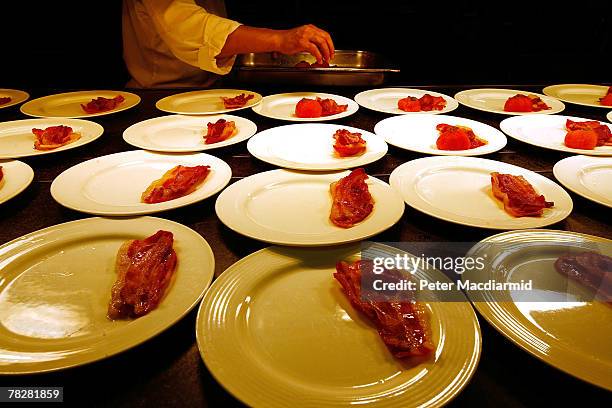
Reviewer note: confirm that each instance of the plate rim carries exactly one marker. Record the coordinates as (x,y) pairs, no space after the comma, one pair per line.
(555,86)
(570,186)
(25,108)
(448,99)
(160,102)
(26,167)
(459,95)
(257,108)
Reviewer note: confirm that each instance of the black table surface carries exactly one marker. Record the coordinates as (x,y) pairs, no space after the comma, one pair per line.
(167,370)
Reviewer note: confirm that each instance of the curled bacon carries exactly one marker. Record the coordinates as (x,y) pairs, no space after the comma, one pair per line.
(176,182)
(1,174)
(457,138)
(54,137)
(604,135)
(314,108)
(525,103)
(330,107)
(101,104)
(425,103)
(351,199)
(237,101)
(519,197)
(591,269)
(348,144)
(5,99)
(219,131)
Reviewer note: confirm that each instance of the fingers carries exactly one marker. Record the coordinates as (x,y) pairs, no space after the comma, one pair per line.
(323,42)
(323,47)
(312,48)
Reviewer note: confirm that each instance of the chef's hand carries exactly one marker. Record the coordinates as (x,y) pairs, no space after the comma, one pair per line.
(307,38)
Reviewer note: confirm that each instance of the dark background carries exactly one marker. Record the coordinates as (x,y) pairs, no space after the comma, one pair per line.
(78,44)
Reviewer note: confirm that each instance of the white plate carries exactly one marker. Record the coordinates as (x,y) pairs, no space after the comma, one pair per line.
(309,146)
(204,102)
(548,132)
(276,330)
(17,139)
(385,100)
(292,208)
(418,133)
(112,185)
(178,133)
(282,106)
(68,105)
(57,285)
(590,177)
(458,189)
(493,100)
(17,177)
(16,96)
(579,94)
(609,116)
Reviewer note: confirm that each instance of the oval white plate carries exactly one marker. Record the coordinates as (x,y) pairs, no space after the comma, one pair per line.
(309,146)
(590,177)
(548,132)
(204,102)
(57,285)
(178,133)
(282,106)
(17,177)
(276,330)
(17,139)
(112,185)
(16,96)
(292,208)
(458,189)
(385,100)
(493,100)
(68,105)
(418,133)
(609,116)
(579,94)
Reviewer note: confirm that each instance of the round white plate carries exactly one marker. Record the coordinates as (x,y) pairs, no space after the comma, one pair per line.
(282,106)
(548,132)
(579,94)
(17,177)
(112,185)
(57,285)
(590,177)
(178,133)
(458,189)
(418,133)
(309,146)
(385,100)
(68,105)
(276,330)
(16,96)
(204,102)
(17,139)
(609,116)
(292,208)
(493,100)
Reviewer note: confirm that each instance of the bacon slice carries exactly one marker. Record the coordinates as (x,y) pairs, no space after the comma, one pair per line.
(54,137)
(425,103)
(525,103)
(591,269)
(604,135)
(457,138)
(314,108)
(219,131)
(607,99)
(101,104)
(402,326)
(330,107)
(144,270)
(1,174)
(351,199)
(176,182)
(5,99)
(237,101)
(348,144)
(306,64)
(519,197)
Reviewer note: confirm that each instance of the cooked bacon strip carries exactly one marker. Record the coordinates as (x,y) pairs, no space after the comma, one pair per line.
(457,138)
(102,104)
(1,174)
(519,197)
(306,64)
(425,103)
(348,144)
(219,131)
(237,101)
(604,135)
(591,269)
(330,107)
(607,99)
(351,199)
(54,137)
(176,182)
(5,99)
(525,103)
(403,326)
(144,270)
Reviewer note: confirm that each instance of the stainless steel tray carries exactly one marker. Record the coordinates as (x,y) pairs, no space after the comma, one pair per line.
(348,68)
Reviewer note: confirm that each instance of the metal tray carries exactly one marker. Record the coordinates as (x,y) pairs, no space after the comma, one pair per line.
(348,68)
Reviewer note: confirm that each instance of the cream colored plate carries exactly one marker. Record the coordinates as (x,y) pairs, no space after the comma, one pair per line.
(17,177)
(418,133)
(590,177)
(309,146)
(204,102)
(493,100)
(458,189)
(571,335)
(16,96)
(609,116)
(385,100)
(178,133)
(579,94)
(68,105)
(56,287)
(292,208)
(282,106)
(17,139)
(548,132)
(276,330)
(112,185)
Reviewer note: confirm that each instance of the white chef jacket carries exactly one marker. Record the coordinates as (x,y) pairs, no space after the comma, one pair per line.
(173,43)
